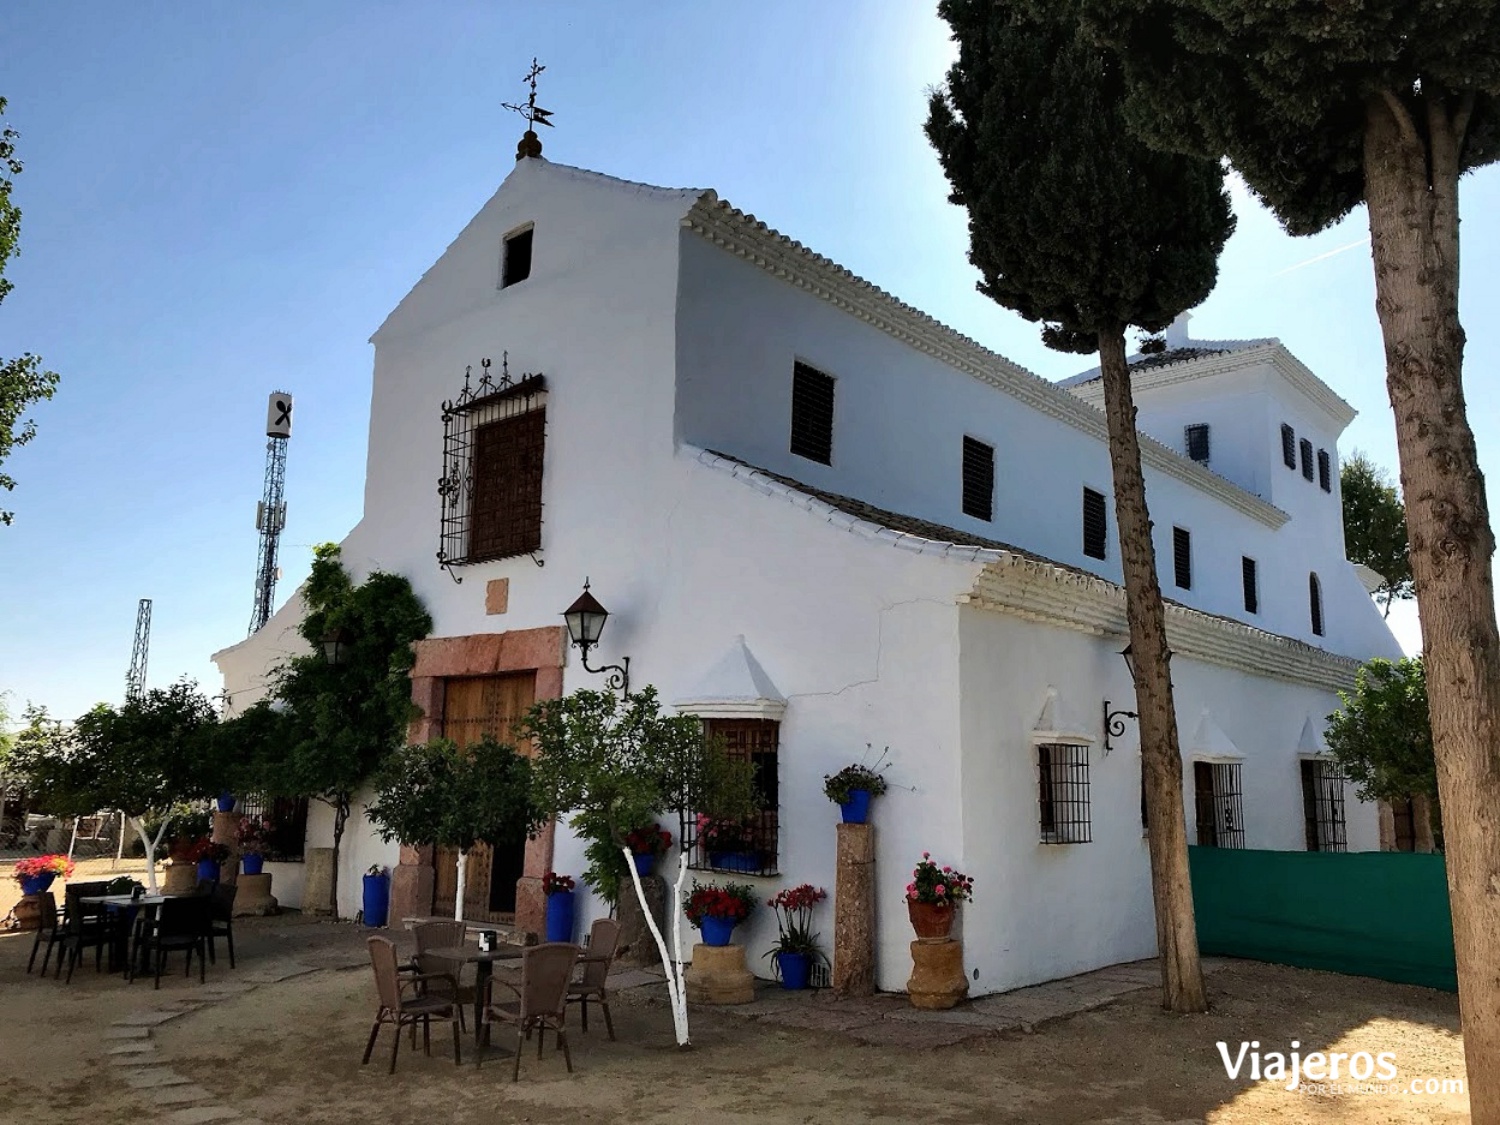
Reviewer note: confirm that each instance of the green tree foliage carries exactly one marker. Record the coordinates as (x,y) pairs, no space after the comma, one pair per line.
(1382,737)
(1075,223)
(440,794)
(23,380)
(1375,527)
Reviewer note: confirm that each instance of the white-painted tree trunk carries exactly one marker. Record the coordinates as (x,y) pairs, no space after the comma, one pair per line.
(671,962)
(150,846)
(458,898)
(73,842)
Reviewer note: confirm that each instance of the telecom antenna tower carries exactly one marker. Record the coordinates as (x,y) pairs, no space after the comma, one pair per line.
(135,679)
(270,513)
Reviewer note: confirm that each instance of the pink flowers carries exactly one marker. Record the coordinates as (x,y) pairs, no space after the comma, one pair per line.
(941,886)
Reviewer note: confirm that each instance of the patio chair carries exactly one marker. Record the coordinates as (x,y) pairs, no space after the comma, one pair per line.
(48,927)
(398,1009)
(83,926)
(604,939)
(221,919)
(438,935)
(541,1000)
(180,923)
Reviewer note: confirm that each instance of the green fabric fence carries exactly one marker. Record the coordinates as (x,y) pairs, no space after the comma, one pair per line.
(1373,914)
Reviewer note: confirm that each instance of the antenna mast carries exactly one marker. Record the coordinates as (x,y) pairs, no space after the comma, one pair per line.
(135,679)
(270,513)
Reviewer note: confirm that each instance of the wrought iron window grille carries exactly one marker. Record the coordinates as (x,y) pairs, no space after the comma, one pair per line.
(287,840)
(1323,806)
(490,491)
(750,847)
(1063,792)
(1218,801)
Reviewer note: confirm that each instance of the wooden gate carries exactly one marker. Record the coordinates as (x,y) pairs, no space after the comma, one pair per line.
(472,708)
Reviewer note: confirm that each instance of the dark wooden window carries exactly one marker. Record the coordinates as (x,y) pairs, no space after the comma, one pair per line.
(812,414)
(1095,524)
(1315,604)
(505,515)
(1251,582)
(517,264)
(1063,793)
(1323,807)
(1325,471)
(1218,804)
(1288,446)
(1195,437)
(756,741)
(1182,558)
(1307,458)
(1404,824)
(979,479)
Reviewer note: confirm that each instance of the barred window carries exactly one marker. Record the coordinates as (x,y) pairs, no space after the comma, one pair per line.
(1325,471)
(1063,791)
(979,479)
(1323,806)
(1195,438)
(1288,446)
(288,819)
(516,264)
(812,414)
(1305,447)
(751,847)
(1219,804)
(1182,558)
(1315,604)
(1251,581)
(1095,524)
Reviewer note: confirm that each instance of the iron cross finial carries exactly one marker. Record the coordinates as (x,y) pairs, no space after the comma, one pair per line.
(532,114)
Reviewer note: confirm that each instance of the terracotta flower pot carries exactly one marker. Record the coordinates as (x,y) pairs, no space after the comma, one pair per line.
(932,921)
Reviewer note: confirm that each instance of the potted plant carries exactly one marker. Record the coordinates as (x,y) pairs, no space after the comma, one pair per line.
(730,844)
(853,787)
(718,910)
(252,836)
(646,844)
(35,873)
(561,901)
(208,856)
(377,895)
(225,801)
(796,949)
(933,895)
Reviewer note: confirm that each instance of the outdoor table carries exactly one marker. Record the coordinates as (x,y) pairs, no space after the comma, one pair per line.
(119,906)
(483,961)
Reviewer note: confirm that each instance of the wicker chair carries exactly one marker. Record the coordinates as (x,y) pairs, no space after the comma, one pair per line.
(180,923)
(399,1009)
(84,926)
(221,918)
(48,927)
(438,935)
(541,1000)
(604,939)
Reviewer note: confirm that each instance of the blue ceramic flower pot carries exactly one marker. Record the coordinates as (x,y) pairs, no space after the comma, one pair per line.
(560,907)
(36,884)
(796,969)
(744,862)
(645,863)
(226,801)
(856,810)
(208,869)
(252,864)
(716,931)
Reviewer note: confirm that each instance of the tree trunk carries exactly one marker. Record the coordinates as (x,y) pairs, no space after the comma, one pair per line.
(150,845)
(1411,187)
(458,897)
(340,818)
(1161,759)
(671,963)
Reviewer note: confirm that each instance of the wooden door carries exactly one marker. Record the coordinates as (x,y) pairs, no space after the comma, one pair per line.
(472,708)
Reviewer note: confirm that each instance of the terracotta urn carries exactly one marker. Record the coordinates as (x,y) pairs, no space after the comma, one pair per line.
(933,921)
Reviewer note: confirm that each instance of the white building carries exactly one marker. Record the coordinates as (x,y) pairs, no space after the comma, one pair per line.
(826,522)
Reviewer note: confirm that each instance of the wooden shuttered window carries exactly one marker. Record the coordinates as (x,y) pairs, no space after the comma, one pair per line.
(1315,604)
(1325,471)
(1182,558)
(1307,458)
(1251,582)
(1095,524)
(1288,446)
(979,479)
(1195,438)
(812,414)
(505,516)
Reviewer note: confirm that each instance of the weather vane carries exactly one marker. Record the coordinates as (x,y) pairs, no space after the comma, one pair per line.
(532,114)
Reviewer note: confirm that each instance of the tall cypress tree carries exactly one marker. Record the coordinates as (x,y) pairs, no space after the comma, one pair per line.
(1322,107)
(1076,224)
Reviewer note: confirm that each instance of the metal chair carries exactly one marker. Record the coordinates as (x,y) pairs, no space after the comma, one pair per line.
(541,1000)
(604,939)
(399,1009)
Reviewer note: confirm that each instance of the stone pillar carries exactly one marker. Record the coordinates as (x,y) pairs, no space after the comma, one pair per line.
(181,878)
(317,890)
(718,975)
(412,884)
(854,912)
(254,896)
(226,832)
(637,946)
(1387,826)
(1421,824)
(29,912)
(937,976)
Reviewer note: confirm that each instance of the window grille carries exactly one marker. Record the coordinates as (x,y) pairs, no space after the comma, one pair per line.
(750,848)
(1288,446)
(1315,604)
(516,265)
(1219,804)
(1307,458)
(979,479)
(1325,471)
(1195,437)
(494,437)
(1182,558)
(1323,806)
(1251,581)
(288,818)
(1063,790)
(1095,524)
(812,414)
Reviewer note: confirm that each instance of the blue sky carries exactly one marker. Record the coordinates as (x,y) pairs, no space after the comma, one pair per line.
(221,200)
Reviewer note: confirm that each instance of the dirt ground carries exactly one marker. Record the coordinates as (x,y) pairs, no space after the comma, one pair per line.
(290,1052)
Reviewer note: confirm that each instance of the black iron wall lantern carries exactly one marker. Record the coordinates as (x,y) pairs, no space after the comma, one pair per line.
(335,645)
(1114,721)
(586,618)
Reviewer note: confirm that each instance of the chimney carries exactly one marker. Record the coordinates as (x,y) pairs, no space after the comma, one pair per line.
(1177,332)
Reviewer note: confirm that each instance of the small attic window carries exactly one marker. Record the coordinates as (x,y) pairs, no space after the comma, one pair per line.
(1196,439)
(979,479)
(812,414)
(516,263)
